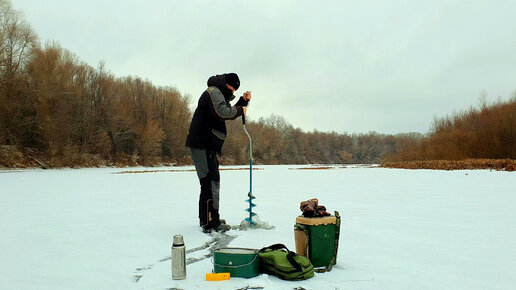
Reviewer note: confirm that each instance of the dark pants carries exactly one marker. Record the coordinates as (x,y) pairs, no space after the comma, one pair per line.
(207,167)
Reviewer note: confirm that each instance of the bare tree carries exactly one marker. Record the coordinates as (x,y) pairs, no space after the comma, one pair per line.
(17,40)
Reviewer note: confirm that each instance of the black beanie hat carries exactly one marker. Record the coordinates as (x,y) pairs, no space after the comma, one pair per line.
(233,80)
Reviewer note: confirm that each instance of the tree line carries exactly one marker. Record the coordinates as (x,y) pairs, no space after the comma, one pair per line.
(72,113)
(51,101)
(486,132)
(275,141)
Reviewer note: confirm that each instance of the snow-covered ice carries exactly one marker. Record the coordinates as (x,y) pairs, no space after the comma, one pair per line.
(401,229)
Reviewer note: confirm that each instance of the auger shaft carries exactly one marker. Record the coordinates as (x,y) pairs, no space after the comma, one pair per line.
(250,194)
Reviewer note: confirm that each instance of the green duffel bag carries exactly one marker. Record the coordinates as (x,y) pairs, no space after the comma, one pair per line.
(277,260)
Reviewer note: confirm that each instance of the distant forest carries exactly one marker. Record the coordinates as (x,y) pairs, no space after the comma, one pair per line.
(57,111)
(64,111)
(487,132)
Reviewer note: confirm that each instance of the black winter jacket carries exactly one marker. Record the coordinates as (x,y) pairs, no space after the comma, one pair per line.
(208,126)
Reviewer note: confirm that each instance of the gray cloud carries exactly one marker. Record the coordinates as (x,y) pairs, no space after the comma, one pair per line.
(351,66)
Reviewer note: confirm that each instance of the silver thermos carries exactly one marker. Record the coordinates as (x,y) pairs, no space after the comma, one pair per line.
(178,258)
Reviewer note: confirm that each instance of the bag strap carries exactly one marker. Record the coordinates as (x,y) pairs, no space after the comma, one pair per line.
(290,258)
(274,247)
(290,254)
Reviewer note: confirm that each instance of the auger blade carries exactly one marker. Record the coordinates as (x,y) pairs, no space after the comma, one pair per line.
(250,210)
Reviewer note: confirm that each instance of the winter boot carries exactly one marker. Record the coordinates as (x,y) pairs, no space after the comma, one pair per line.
(221,228)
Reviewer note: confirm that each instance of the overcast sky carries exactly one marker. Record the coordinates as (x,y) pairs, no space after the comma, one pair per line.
(347,66)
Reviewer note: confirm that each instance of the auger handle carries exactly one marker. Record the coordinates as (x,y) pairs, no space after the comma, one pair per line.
(243,115)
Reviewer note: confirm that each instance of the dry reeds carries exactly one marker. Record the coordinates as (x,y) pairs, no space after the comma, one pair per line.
(495,164)
(485,133)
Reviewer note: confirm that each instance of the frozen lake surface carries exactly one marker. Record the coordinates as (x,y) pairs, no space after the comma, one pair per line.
(401,229)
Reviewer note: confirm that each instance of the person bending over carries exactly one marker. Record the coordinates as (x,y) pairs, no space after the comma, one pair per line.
(205,139)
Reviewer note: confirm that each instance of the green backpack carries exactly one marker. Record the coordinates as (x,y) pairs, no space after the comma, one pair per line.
(277,260)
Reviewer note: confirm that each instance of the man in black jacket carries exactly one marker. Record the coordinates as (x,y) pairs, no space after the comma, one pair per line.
(205,139)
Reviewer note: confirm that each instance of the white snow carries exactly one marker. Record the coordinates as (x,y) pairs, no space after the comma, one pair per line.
(401,229)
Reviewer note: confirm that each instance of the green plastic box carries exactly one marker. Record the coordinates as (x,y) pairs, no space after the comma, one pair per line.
(317,239)
(238,262)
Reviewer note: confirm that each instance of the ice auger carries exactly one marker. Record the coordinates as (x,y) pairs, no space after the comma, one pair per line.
(250,194)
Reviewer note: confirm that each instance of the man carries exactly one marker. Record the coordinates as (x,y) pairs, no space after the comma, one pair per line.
(205,139)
